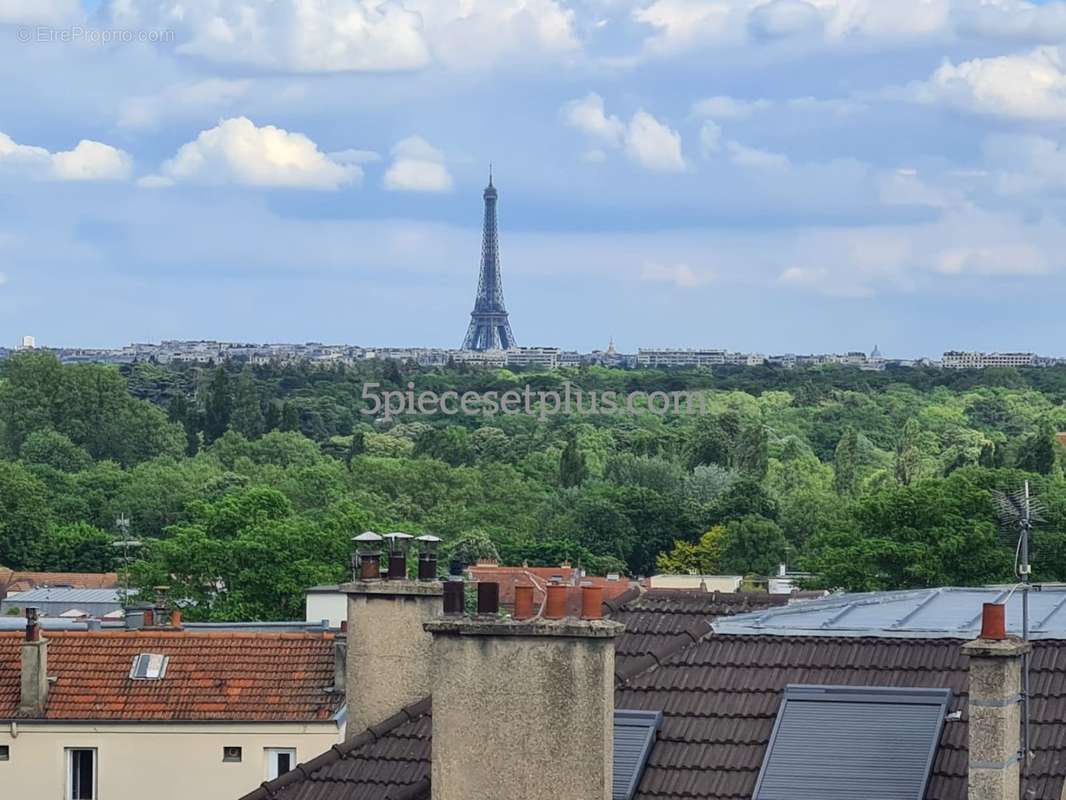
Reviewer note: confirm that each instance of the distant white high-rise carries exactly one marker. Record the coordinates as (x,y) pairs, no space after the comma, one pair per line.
(28,343)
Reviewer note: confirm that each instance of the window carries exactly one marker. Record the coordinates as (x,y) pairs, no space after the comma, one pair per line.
(149,667)
(81,774)
(231,754)
(279,761)
(5,752)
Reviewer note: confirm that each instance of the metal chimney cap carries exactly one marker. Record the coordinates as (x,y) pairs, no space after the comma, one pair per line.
(367,536)
(428,537)
(395,535)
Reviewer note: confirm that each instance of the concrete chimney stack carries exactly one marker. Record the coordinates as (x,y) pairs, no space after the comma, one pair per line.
(33,697)
(388,658)
(522,709)
(995,709)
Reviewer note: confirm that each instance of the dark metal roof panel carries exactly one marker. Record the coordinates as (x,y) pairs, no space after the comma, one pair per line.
(634,736)
(842,742)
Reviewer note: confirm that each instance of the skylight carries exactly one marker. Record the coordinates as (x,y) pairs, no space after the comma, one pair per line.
(843,742)
(149,667)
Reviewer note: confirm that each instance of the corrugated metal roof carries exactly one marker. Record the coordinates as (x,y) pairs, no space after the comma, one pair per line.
(943,612)
(64,595)
(842,742)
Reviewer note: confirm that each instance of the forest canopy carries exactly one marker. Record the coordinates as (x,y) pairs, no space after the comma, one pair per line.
(246,483)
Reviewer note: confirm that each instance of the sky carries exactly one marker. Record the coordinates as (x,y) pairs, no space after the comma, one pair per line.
(758,175)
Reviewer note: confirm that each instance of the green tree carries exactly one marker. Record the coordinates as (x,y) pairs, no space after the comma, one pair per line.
(272,416)
(572,468)
(752,451)
(846,464)
(753,546)
(908,453)
(1037,453)
(54,450)
(290,417)
(217,406)
(76,548)
(471,546)
(700,558)
(25,516)
(247,415)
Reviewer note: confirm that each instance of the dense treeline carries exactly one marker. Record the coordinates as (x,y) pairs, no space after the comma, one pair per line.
(246,483)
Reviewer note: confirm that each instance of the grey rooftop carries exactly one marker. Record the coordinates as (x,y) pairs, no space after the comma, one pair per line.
(926,613)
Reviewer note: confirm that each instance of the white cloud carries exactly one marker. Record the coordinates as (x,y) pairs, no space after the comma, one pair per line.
(654,145)
(645,140)
(353,156)
(88,161)
(357,35)
(92,161)
(183,99)
(780,18)
(237,151)
(1027,86)
(1005,259)
(417,166)
(680,275)
(587,115)
(753,157)
(38,12)
(711,138)
(727,109)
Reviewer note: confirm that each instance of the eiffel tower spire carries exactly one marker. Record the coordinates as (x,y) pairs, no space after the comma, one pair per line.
(489,327)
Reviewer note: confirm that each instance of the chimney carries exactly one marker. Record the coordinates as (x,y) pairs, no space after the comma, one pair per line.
(533,699)
(995,708)
(34,685)
(340,663)
(388,651)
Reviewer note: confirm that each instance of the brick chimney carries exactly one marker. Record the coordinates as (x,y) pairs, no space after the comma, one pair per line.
(532,700)
(33,697)
(995,709)
(388,658)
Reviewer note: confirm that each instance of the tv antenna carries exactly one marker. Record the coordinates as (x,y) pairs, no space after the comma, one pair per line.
(122,525)
(1019,512)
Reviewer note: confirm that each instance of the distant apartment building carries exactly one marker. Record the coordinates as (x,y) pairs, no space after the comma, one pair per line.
(27,343)
(545,357)
(957,359)
(649,357)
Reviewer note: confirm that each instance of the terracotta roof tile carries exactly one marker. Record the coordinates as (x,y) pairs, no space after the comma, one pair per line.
(243,676)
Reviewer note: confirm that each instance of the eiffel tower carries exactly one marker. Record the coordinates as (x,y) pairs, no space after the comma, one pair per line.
(489,328)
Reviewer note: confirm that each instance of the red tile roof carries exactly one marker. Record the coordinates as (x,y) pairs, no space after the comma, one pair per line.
(11,581)
(210,676)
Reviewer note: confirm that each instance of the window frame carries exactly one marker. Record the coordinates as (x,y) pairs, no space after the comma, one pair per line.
(272,754)
(5,752)
(69,789)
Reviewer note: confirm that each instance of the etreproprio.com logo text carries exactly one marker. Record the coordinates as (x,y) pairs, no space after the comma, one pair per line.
(539,403)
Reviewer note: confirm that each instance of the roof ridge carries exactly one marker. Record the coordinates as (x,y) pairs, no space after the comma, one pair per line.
(266,790)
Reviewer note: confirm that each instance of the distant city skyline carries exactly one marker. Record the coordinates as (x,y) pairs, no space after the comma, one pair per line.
(740,174)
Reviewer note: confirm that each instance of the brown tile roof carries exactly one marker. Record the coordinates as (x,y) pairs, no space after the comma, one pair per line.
(11,581)
(211,676)
(659,621)
(392,761)
(719,699)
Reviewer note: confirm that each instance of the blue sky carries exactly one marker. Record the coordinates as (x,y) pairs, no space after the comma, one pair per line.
(760,175)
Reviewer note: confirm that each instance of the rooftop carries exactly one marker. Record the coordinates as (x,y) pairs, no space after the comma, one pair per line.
(59,594)
(229,676)
(926,613)
(13,581)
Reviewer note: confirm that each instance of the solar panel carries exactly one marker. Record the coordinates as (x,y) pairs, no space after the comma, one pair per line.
(148,666)
(843,742)
(634,735)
